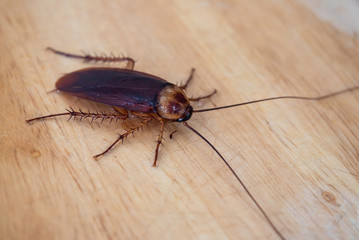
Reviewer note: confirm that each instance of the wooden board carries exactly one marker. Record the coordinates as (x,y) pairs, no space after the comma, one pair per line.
(298,159)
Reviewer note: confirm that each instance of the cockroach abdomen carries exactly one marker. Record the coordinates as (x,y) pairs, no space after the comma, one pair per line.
(123,88)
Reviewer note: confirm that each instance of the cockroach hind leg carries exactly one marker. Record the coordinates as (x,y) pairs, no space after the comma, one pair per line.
(29,121)
(130,63)
(73,114)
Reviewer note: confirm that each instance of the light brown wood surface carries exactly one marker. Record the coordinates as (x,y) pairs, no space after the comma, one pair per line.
(298,159)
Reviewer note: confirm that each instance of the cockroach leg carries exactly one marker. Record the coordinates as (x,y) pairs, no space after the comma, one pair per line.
(124,136)
(184,86)
(130,65)
(159,141)
(203,97)
(172,133)
(92,58)
(82,115)
(140,114)
(29,121)
(121,111)
(121,137)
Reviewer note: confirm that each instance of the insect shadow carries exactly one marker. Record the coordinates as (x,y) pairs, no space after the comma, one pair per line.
(138,97)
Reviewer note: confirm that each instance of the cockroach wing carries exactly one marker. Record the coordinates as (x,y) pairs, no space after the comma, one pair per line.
(123,88)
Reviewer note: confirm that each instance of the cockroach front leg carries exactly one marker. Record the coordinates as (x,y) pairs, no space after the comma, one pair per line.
(159,141)
(184,86)
(172,133)
(105,58)
(202,97)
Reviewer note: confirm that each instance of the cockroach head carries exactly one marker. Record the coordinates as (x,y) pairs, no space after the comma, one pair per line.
(172,104)
(187,115)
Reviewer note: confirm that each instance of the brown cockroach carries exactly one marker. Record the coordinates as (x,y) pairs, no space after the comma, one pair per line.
(145,97)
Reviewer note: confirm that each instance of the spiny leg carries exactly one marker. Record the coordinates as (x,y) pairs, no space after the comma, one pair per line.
(159,141)
(88,58)
(124,136)
(203,97)
(83,115)
(184,86)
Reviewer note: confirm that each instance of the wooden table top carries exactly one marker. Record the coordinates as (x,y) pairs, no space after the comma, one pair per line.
(298,159)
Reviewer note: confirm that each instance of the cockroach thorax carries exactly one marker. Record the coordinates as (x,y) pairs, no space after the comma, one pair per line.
(173,104)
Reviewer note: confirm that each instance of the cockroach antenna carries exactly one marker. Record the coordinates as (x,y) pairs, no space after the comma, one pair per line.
(239,180)
(252,102)
(281,97)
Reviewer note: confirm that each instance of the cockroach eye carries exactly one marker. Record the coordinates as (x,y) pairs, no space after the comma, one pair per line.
(187,115)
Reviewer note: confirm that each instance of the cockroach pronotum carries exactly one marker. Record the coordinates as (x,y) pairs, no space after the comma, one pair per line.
(139,97)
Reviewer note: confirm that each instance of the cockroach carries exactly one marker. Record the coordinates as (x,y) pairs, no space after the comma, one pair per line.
(141,97)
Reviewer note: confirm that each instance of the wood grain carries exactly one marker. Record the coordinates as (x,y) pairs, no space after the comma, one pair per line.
(298,159)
